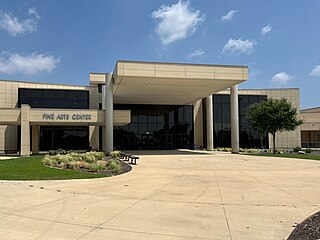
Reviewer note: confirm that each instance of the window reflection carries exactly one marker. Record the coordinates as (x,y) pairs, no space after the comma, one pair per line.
(155,127)
(53,98)
(64,137)
(248,137)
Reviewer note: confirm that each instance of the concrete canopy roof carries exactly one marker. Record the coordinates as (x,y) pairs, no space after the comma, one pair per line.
(172,83)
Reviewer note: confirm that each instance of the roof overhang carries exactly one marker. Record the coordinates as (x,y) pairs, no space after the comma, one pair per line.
(172,83)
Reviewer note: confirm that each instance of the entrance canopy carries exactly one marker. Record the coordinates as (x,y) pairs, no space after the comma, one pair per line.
(172,83)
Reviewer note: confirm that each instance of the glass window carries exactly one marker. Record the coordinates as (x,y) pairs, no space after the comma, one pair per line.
(100,88)
(155,127)
(65,137)
(249,137)
(53,98)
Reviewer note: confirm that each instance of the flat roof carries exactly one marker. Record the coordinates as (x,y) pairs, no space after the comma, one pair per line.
(316,109)
(172,83)
(57,84)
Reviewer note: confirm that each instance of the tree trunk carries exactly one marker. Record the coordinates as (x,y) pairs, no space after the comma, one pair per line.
(274,142)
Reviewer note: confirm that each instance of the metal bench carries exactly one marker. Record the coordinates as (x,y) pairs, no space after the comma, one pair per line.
(127,157)
(10,151)
(133,159)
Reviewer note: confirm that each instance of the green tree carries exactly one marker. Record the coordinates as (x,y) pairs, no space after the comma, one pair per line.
(272,116)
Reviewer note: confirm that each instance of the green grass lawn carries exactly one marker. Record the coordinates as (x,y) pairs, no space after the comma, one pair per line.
(290,155)
(32,169)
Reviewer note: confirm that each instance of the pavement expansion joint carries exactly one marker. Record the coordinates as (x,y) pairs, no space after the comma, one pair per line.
(224,210)
(276,187)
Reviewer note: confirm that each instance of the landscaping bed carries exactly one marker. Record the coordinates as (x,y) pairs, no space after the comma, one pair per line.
(33,168)
(309,229)
(91,162)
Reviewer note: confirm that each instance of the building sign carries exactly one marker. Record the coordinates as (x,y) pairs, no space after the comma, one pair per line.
(61,116)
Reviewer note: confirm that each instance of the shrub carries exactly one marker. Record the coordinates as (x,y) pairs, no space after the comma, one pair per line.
(96,167)
(88,157)
(74,161)
(98,155)
(308,150)
(115,166)
(49,161)
(296,149)
(73,165)
(58,151)
(83,164)
(115,154)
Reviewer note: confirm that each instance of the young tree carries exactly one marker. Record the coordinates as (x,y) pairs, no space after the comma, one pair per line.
(272,116)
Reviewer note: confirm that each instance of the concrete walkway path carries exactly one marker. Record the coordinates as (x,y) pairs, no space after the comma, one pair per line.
(168,195)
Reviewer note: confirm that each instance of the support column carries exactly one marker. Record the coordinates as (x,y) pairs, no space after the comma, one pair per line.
(94,137)
(35,139)
(109,113)
(209,110)
(25,130)
(234,119)
(198,123)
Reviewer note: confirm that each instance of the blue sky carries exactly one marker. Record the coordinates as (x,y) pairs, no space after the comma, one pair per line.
(62,41)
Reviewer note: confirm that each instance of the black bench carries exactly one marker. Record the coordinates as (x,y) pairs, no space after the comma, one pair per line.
(127,157)
(10,151)
(133,159)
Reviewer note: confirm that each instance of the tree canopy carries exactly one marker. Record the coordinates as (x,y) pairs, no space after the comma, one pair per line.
(272,116)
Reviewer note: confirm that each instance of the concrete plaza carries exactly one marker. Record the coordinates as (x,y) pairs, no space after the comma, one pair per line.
(168,195)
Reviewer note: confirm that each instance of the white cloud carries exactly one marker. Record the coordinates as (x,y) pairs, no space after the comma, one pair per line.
(239,46)
(266,29)
(16,26)
(33,12)
(176,22)
(229,15)
(197,53)
(31,64)
(281,79)
(315,71)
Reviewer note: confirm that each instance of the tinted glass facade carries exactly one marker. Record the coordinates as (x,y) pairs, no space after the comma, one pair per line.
(64,137)
(248,136)
(52,98)
(155,127)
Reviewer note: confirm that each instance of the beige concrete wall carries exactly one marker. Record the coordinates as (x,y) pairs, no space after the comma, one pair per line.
(13,116)
(311,120)
(173,70)
(285,139)
(9,99)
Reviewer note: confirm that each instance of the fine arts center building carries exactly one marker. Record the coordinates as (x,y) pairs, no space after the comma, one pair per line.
(141,105)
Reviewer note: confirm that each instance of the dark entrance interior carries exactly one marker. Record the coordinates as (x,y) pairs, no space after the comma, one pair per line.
(155,127)
(64,137)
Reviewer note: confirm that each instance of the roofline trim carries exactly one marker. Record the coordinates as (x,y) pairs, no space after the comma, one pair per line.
(189,64)
(55,84)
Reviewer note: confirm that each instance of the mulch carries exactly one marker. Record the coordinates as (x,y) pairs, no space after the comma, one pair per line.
(309,229)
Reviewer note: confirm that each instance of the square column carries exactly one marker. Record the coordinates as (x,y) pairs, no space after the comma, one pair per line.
(209,110)
(234,119)
(35,139)
(94,137)
(109,113)
(25,130)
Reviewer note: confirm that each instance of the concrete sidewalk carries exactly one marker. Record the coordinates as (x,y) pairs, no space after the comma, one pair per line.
(168,195)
